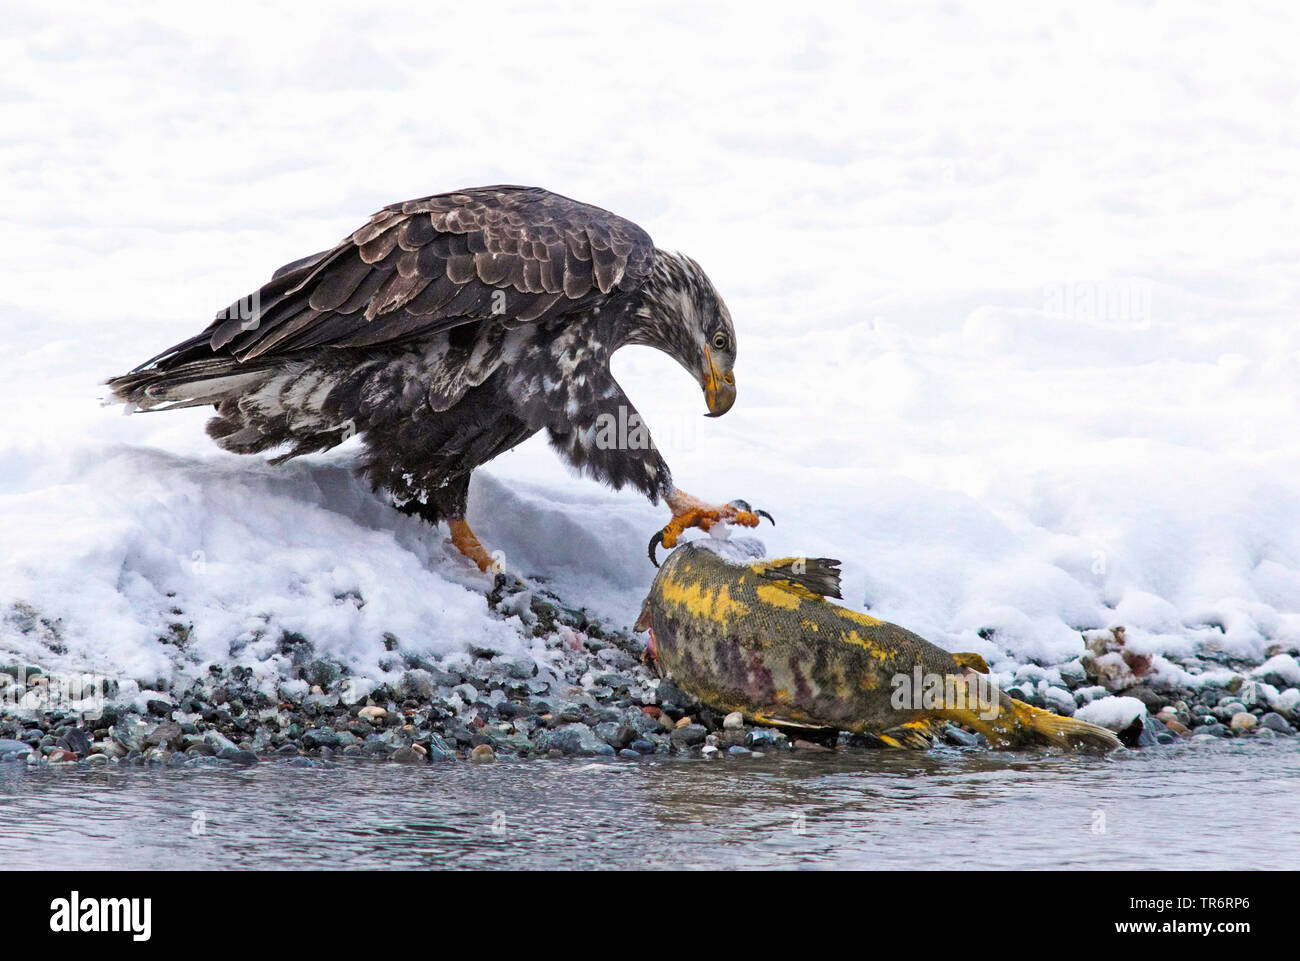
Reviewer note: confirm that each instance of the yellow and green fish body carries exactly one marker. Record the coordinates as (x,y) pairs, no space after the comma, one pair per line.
(761,638)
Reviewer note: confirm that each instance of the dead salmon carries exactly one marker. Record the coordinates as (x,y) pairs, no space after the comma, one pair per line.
(763,639)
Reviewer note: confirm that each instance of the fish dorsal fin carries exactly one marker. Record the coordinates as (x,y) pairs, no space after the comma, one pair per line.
(806,576)
(973,661)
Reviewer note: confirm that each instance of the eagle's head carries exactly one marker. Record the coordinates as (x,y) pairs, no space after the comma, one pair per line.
(681,314)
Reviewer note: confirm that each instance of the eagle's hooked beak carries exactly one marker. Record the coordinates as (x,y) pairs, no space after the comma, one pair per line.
(719,388)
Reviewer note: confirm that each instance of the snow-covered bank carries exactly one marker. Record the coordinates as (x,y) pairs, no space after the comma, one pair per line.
(1018,338)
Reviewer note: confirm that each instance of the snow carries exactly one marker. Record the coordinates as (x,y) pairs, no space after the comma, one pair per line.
(1015,298)
(1284,666)
(1113,713)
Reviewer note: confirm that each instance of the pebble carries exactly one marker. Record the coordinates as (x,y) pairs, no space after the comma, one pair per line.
(166,734)
(1150,731)
(688,735)
(1059,700)
(130,734)
(573,738)
(1243,721)
(372,713)
(10,746)
(77,741)
(439,749)
(1072,673)
(956,736)
(765,737)
(1227,709)
(734,721)
(616,733)
(482,755)
(406,755)
(1272,721)
(218,742)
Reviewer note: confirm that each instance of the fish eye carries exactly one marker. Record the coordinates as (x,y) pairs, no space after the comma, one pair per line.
(720,340)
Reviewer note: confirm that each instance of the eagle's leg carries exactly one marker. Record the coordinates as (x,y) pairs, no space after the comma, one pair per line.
(690,511)
(465,541)
(451,500)
(447,502)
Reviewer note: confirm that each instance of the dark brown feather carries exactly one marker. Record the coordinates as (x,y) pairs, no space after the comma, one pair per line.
(434,262)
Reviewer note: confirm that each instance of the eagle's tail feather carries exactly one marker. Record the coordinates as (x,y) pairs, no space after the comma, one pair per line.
(186,385)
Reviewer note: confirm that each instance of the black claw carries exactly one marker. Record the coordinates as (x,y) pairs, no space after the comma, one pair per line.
(655,542)
(741,505)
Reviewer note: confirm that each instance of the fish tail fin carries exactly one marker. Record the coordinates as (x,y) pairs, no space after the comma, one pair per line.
(1007,722)
(1060,731)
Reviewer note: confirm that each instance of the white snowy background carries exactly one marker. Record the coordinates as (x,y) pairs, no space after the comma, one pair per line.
(1015,285)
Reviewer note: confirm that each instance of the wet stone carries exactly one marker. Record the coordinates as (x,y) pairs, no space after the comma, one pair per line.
(130,733)
(218,742)
(956,736)
(167,734)
(766,737)
(688,735)
(574,738)
(1243,722)
(1273,721)
(407,755)
(11,749)
(616,733)
(77,741)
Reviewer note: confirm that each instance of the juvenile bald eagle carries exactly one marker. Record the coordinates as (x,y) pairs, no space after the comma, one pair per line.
(446,331)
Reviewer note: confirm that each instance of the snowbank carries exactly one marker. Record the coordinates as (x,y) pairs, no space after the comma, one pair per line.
(1022,358)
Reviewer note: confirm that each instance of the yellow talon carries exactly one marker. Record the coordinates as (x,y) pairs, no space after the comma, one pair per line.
(689,511)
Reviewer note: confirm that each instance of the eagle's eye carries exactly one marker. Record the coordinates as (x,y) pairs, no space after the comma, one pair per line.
(720,341)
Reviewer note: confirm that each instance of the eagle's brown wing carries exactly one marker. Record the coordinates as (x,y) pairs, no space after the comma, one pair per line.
(518,254)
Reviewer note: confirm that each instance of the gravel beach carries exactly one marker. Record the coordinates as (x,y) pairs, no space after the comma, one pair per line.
(592,695)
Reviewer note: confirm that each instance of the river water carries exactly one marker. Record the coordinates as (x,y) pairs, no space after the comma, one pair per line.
(1198,805)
